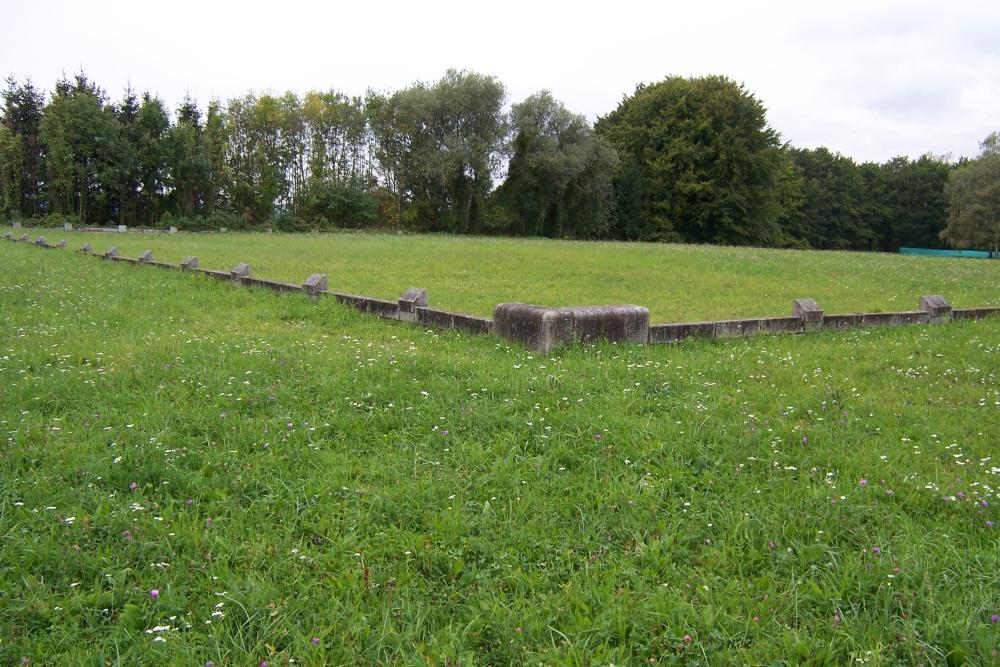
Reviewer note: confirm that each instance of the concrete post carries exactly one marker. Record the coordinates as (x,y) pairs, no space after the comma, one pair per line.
(122,229)
(315,284)
(241,270)
(810,312)
(411,299)
(937,308)
(190,262)
(146,256)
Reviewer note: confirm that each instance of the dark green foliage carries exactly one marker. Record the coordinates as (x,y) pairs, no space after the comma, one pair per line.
(559,179)
(974,200)
(686,160)
(700,163)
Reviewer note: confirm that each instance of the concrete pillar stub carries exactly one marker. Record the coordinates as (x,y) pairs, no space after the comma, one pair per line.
(937,307)
(409,301)
(810,312)
(112,251)
(85,247)
(62,243)
(190,262)
(241,270)
(146,256)
(315,284)
(122,229)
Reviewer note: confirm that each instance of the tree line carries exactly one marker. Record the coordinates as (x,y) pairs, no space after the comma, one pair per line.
(683,159)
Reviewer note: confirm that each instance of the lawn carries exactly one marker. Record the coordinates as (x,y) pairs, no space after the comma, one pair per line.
(193,474)
(676,282)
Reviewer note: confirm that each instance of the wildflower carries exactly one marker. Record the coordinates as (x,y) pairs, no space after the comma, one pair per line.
(863,482)
(989,524)
(133,486)
(189,502)
(876,550)
(805,440)
(209,663)
(315,641)
(127,535)
(836,620)
(995,618)
(687,639)
(771,545)
(155,593)
(263,663)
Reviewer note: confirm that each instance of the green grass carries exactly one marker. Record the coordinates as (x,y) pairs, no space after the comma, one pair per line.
(281,470)
(676,282)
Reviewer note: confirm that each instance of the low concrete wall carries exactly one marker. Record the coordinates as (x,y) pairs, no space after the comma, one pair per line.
(973,313)
(541,328)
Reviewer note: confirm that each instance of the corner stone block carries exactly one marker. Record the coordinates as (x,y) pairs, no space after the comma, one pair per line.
(810,312)
(623,324)
(411,299)
(85,247)
(24,237)
(315,284)
(111,252)
(241,270)
(543,329)
(62,244)
(122,229)
(40,240)
(190,262)
(937,308)
(146,256)
(539,328)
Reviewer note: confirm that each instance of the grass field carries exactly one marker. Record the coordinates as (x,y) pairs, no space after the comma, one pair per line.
(676,283)
(192,474)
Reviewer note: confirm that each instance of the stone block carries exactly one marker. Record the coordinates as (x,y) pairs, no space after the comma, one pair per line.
(190,262)
(241,270)
(85,247)
(9,236)
(122,229)
(16,224)
(537,327)
(146,256)
(40,240)
(810,312)
(620,323)
(315,284)
(111,252)
(937,308)
(62,244)
(411,299)
(24,237)
(172,230)
(67,226)
(672,333)
(544,329)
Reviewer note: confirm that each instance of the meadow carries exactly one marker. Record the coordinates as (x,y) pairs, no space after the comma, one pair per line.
(676,282)
(192,474)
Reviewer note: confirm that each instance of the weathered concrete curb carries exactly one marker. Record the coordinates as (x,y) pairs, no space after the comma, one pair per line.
(543,329)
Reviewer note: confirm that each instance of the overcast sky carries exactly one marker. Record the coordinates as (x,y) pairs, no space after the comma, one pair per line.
(868,79)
